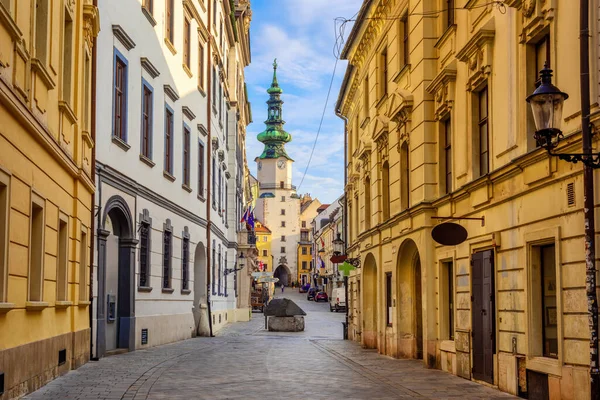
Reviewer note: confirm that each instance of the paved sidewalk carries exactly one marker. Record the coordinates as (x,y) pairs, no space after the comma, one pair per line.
(246,362)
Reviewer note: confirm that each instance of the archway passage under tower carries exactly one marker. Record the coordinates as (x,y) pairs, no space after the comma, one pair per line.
(283,273)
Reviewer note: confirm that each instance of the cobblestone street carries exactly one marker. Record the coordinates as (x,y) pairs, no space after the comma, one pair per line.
(245,361)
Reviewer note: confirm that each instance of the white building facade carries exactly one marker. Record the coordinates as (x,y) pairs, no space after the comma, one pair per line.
(167,150)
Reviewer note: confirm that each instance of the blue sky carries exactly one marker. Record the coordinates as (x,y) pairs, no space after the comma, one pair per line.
(300,34)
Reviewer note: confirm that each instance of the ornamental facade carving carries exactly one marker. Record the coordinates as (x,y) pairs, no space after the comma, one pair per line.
(443,88)
(478,55)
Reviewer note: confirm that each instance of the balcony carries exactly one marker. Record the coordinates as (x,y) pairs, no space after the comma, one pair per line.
(247,238)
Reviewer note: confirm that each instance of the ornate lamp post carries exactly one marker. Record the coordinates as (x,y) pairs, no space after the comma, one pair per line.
(547,106)
(241,262)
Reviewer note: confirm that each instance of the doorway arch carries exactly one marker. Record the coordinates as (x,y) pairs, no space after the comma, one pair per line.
(283,273)
(200,307)
(116,278)
(410,303)
(370,314)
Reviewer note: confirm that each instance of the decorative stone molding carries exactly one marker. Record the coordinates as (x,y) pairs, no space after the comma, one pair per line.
(221,155)
(169,91)
(400,107)
(443,89)
(123,37)
(380,127)
(188,113)
(202,129)
(91,24)
(382,147)
(149,67)
(537,15)
(478,55)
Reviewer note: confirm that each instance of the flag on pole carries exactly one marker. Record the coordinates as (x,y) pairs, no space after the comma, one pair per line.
(245,216)
(250,219)
(322,243)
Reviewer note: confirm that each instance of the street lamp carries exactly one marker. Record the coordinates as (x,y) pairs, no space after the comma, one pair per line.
(338,245)
(241,262)
(547,106)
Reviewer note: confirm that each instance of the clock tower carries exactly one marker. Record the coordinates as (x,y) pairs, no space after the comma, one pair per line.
(278,205)
(274,165)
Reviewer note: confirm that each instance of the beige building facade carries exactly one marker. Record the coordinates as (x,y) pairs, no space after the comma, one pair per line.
(437,126)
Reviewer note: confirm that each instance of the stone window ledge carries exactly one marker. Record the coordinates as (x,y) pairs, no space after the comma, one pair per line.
(168,290)
(84,303)
(121,143)
(146,289)
(147,161)
(63,304)
(186,291)
(168,175)
(36,305)
(6,307)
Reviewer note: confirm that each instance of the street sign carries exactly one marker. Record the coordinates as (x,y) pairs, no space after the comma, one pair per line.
(449,234)
(338,259)
(268,280)
(346,267)
(264,274)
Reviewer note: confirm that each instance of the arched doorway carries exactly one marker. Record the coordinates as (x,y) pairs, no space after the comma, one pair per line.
(200,308)
(410,306)
(283,273)
(116,278)
(370,320)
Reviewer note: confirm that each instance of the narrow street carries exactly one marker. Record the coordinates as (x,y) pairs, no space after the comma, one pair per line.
(245,361)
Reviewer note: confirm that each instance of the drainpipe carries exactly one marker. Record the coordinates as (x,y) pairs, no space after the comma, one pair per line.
(93,200)
(588,198)
(208,170)
(345,217)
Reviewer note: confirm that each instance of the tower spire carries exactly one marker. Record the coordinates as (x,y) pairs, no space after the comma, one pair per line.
(274,137)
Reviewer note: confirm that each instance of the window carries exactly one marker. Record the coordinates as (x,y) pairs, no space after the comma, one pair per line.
(283,211)
(62,259)
(220,199)
(383,73)
(542,56)
(311,263)
(186,155)
(367,203)
(36,248)
(41,31)
(225,276)
(185,263)
(281,184)
(167,251)
(67,78)
(483,138)
(4,210)
(446,162)
(388,298)
(283,199)
(283,238)
(186,42)
(147,96)
(283,250)
(366,96)
(264,239)
(303,264)
(220,272)
(201,169)
(169,120)
(283,224)
(83,249)
(145,248)
(213,276)
(120,97)
(304,251)
(385,190)
(304,236)
(148,5)
(200,65)
(404,176)
(304,224)
(447,297)
(265,253)
(544,301)
(87,91)
(169,23)
(404,34)
(449,14)
(214,182)
(214,88)
(225,202)
(310,251)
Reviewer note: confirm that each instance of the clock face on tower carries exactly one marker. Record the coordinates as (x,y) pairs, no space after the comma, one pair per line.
(281,164)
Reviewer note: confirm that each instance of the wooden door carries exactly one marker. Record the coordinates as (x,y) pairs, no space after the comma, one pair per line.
(483,315)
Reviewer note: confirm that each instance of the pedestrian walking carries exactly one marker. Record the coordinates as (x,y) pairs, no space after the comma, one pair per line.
(282,287)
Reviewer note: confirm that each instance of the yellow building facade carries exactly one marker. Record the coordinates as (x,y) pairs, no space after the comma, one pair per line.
(437,126)
(308,211)
(263,245)
(46,189)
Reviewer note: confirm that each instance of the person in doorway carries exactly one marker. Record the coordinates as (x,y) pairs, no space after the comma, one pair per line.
(282,287)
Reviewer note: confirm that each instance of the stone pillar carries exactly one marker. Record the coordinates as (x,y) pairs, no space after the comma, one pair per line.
(101,297)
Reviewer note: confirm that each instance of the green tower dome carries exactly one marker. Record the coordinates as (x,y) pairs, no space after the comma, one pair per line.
(274,137)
